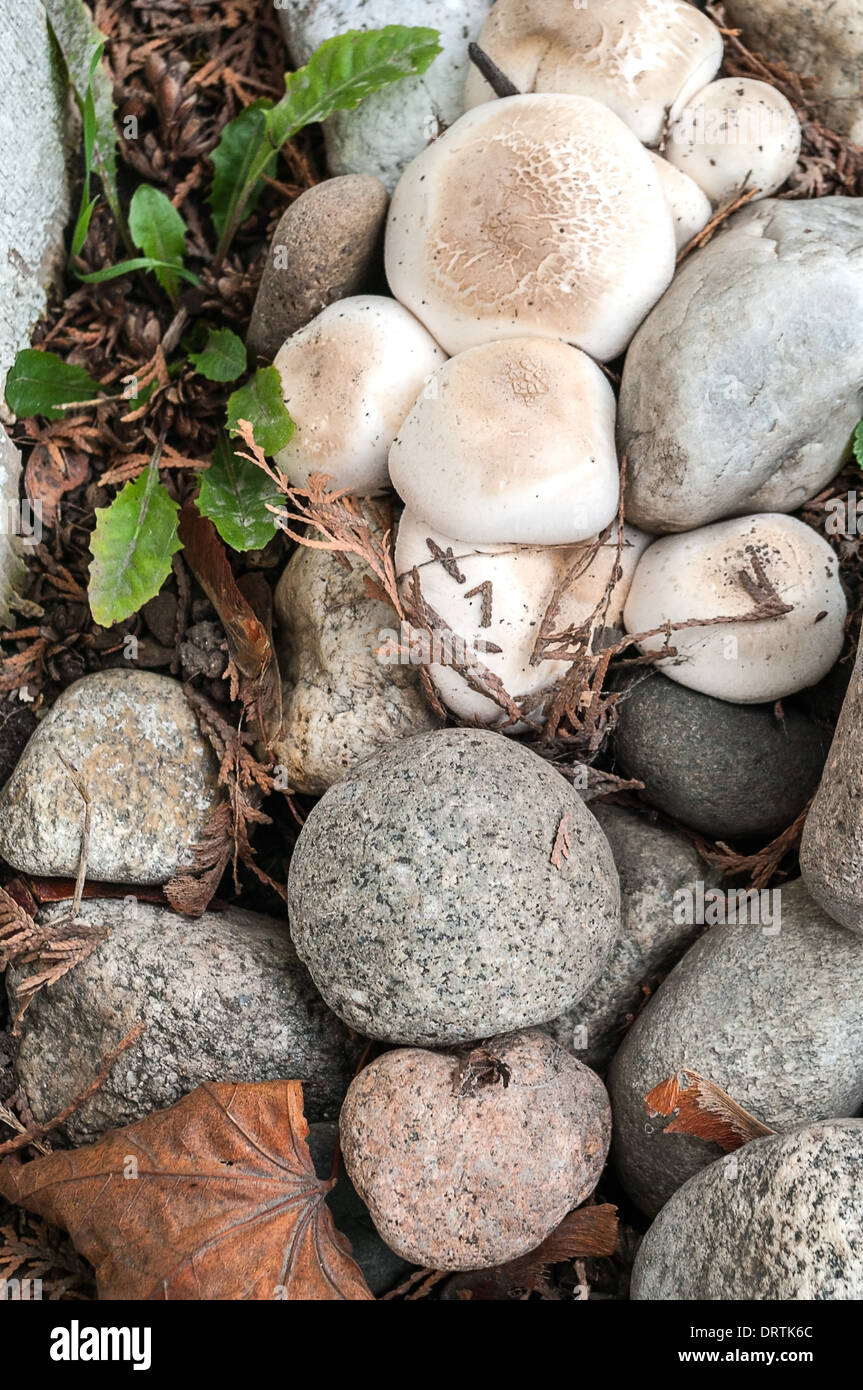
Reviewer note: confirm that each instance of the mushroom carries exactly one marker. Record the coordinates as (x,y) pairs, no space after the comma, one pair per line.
(349,379)
(727,570)
(643,59)
(532,215)
(512,442)
(498,595)
(690,207)
(734,135)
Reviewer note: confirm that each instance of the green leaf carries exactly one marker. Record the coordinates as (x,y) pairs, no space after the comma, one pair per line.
(132,547)
(858,444)
(113,272)
(39,383)
(347,69)
(337,77)
(160,232)
(260,402)
(241,143)
(223,357)
(234,495)
(81,44)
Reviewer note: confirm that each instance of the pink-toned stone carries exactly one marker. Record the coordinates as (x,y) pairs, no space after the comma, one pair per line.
(462,1171)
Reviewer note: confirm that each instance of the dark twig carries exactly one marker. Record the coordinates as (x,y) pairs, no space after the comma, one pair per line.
(494,76)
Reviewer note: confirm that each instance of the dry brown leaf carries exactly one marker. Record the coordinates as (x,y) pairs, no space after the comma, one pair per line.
(50,473)
(216,1198)
(250,648)
(701,1108)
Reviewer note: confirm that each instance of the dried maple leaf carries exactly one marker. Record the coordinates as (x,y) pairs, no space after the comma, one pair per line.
(704,1110)
(216,1198)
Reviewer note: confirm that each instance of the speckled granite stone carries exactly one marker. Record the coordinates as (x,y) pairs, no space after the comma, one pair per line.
(339,701)
(460,1175)
(223,997)
(653,864)
(775,1020)
(779,1220)
(423,898)
(150,774)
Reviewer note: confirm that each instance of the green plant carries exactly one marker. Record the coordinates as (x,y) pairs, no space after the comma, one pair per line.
(136,536)
(857,446)
(337,77)
(132,547)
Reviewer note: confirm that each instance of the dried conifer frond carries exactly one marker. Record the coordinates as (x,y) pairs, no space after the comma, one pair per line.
(226,837)
(51,948)
(758,868)
(36,1251)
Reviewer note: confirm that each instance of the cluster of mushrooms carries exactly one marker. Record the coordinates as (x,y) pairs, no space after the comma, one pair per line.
(524,247)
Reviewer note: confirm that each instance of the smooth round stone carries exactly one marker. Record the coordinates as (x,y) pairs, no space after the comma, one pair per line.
(729,771)
(151,776)
(423,899)
(770,1009)
(778,1220)
(391,126)
(655,865)
(467,1161)
(328,245)
(742,388)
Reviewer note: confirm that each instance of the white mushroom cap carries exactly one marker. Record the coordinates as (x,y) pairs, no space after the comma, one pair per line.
(696,575)
(533,215)
(736,134)
(499,595)
(349,379)
(513,441)
(690,207)
(640,58)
